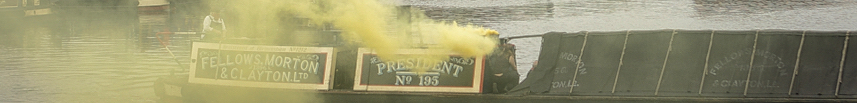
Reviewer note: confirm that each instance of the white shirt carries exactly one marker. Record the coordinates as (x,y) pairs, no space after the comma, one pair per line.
(207,23)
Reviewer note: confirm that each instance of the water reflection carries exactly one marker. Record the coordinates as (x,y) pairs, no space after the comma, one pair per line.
(483,15)
(529,11)
(740,7)
(86,54)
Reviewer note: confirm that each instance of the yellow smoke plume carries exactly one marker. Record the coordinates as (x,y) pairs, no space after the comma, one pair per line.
(371,23)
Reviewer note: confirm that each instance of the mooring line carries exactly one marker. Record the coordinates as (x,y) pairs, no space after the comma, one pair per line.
(172,71)
(219,50)
(752,57)
(579,59)
(664,67)
(842,62)
(797,61)
(620,61)
(707,55)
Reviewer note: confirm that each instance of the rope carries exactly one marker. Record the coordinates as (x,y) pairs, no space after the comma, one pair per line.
(172,71)
(579,59)
(752,57)
(797,61)
(664,67)
(707,55)
(620,61)
(219,50)
(842,62)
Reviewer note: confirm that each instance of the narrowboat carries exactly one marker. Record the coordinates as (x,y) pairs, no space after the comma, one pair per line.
(587,66)
(153,6)
(11,9)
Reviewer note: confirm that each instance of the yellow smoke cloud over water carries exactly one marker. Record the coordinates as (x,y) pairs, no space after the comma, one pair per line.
(371,23)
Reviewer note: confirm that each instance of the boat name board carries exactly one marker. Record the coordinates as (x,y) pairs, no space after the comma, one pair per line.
(261,66)
(416,74)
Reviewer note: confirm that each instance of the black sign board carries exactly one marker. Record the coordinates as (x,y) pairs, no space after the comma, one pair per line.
(415,74)
(261,66)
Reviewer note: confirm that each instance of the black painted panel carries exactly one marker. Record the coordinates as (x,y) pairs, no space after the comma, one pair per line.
(567,62)
(686,63)
(346,64)
(643,62)
(819,64)
(729,63)
(773,65)
(601,57)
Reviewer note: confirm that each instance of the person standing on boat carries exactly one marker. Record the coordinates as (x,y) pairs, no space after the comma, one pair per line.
(213,26)
(501,73)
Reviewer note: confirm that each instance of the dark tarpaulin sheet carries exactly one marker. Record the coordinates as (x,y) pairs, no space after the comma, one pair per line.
(538,80)
(849,73)
(601,56)
(818,70)
(773,63)
(567,63)
(643,62)
(729,63)
(686,63)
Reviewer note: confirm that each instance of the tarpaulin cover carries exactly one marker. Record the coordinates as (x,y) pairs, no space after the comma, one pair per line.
(818,70)
(682,74)
(601,58)
(542,74)
(728,63)
(709,63)
(643,61)
(773,63)
(567,63)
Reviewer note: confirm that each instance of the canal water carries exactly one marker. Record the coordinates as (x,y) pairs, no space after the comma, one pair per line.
(96,54)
